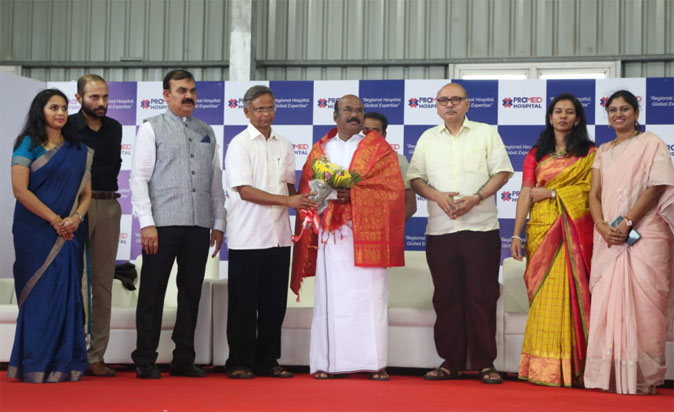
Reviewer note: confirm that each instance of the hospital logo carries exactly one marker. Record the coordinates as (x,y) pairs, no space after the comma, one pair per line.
(301,149)
(233,103)
(153,104)
(126,149)
(421,102)
(508,196)
(326,102)
(522,102)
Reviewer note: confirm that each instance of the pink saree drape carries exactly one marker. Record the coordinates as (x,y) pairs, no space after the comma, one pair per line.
(630,285)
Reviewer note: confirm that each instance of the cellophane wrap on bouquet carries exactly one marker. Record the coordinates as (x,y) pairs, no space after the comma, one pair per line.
(328,177)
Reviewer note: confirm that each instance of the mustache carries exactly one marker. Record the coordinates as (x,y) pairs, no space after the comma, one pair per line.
(188,100)
(353,119)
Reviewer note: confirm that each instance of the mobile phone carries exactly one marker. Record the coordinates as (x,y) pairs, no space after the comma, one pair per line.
(617,221)
(632,237)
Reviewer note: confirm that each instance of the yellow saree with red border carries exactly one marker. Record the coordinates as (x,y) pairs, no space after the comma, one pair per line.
(559,251)
(376,210)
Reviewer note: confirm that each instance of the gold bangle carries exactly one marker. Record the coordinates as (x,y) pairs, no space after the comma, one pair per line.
(56,220)
(600,221)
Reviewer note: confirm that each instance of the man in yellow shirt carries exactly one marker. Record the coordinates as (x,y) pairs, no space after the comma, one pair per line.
(458,166)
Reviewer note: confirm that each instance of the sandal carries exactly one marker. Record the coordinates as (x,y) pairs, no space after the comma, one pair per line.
(322,375)
(239,373)
(442,374)
(278,372)
(382,375)
(490,376)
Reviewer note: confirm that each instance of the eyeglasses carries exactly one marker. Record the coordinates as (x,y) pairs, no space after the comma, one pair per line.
(261,110)
(349,109)
(442,101)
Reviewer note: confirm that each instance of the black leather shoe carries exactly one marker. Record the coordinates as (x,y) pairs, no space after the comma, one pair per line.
(188,370)
(147,371)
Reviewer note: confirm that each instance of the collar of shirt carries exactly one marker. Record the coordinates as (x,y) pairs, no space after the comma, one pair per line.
(253,133)
(81,122)
(175,116)
(467,124)
(356,138)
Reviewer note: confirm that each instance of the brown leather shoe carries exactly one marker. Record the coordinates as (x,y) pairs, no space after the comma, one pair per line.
(100,369)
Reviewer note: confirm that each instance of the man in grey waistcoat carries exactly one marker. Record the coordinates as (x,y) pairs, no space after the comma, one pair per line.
(177,196)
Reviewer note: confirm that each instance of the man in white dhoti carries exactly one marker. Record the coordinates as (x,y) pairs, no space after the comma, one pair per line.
(361,233)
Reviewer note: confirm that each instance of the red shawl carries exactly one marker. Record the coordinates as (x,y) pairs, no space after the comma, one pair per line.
(377,210)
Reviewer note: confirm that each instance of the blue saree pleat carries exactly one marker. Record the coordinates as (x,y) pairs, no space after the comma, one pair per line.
(49,345)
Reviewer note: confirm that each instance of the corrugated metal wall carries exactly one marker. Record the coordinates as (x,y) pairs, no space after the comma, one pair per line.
(286,31)
(107,30)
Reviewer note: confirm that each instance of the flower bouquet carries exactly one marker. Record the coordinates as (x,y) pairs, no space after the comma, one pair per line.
(327,178)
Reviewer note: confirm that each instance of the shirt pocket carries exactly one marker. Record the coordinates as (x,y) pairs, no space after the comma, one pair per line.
(475,160)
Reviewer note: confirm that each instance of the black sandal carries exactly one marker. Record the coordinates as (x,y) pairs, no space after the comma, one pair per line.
(382,375)
(487,375)
(239,373)
(279,372)
(442,374)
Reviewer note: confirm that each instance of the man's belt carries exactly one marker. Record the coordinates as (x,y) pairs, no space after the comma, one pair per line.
(105,195)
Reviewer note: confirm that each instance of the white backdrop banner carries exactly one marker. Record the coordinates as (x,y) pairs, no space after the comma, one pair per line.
(516,108)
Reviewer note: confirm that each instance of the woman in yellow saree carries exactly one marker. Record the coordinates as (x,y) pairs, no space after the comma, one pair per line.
(555,187)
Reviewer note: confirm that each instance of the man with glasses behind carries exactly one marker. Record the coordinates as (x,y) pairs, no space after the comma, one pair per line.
(458,166)
(260,172)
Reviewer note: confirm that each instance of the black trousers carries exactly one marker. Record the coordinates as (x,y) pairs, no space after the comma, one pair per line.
(189,245)
(258,292)
(464,267)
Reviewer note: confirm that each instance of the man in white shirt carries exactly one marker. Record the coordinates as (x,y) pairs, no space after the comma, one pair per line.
(260,172)
(177,196)
(458,166)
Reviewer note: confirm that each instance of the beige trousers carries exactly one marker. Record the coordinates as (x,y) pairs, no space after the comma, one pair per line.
(104,216)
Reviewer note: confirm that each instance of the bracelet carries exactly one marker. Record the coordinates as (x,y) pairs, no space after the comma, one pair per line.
(600,221)
(78,214)
(515,237)
(628,221)
(479,195)
(56,220)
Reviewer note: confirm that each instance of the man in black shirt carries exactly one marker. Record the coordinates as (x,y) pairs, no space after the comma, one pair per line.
(104,135)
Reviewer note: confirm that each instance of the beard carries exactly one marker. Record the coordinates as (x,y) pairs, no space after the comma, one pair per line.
(97,112)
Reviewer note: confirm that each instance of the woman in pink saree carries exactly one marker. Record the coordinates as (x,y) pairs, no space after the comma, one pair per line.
(632,180)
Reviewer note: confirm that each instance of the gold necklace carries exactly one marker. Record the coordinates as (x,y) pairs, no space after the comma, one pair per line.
(558,155)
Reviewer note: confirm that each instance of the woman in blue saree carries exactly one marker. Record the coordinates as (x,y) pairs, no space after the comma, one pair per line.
(51,183)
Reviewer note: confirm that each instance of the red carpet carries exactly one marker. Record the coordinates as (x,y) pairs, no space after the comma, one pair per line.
(354,393)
